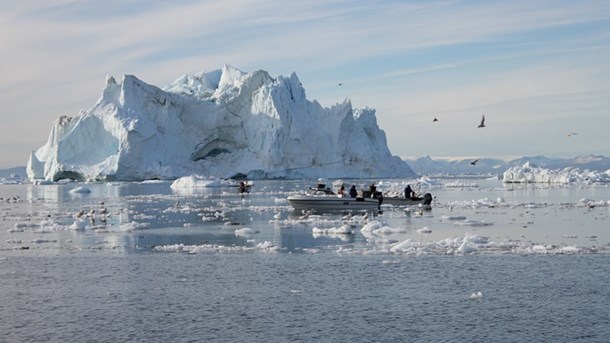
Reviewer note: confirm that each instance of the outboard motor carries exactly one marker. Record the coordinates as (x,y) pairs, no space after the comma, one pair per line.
(427,199)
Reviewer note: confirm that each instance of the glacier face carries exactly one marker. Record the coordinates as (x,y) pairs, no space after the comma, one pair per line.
(219,124)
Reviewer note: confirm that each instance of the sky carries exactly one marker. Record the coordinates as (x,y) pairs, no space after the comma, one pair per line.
(538,70)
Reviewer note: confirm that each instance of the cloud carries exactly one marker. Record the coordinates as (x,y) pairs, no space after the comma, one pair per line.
(396,56)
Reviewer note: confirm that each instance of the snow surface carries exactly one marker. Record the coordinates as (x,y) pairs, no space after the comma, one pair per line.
(222,124)
(529,172)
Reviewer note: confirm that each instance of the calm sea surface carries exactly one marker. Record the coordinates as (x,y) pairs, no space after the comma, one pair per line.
(210,265)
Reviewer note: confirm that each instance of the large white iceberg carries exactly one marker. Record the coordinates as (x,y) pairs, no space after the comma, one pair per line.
(530,173)
(223,123)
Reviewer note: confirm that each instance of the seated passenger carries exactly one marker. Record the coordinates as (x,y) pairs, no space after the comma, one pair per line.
(409,192)
(373,190)
(353,192)
(341,191)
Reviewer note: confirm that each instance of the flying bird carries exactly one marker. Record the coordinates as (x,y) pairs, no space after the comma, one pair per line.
(482,122)
(435,120)
(474,162)
(572,134)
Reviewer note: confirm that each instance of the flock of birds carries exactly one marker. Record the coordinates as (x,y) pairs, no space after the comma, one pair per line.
(481,125)
(100,214)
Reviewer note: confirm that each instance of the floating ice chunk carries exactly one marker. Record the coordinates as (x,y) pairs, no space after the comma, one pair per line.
(465,248)
(388,230)
(539,249)
(267,246)
(246,231)
(486,203)
(425,230)
(476,239)
(460,184)
(80,190)
(570,250)
(196,181)
(342,230)
(372,225)
(476,295)
(134,226)
(79,224)
(426,181)
(471,244)
(48,226)
(405,245)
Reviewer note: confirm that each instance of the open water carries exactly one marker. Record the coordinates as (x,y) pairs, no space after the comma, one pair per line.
(211,265)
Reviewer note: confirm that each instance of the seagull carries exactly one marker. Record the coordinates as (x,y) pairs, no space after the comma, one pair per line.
(435,120)
(482,122)
(474,162)
(572,134)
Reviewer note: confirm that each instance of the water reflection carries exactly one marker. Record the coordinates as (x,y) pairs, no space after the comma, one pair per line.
(141,216)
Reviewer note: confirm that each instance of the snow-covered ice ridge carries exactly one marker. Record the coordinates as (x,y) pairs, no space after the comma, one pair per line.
(222,124)
(529,172)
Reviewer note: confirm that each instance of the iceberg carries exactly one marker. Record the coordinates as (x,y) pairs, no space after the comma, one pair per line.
(225,123)
(531,173)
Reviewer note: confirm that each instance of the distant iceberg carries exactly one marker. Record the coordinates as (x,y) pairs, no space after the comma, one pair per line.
(530,173)
(225,123)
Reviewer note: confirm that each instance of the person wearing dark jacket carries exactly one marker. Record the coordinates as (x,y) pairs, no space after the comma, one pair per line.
(353,192)
(408,192)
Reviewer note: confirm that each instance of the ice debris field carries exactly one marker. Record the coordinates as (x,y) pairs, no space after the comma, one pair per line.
(468,217)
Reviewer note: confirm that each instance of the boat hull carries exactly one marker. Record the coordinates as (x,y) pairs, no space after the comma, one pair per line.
(396,201)
(425,201)
(332,203)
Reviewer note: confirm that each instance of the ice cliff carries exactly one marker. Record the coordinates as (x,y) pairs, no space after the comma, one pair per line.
(224,123)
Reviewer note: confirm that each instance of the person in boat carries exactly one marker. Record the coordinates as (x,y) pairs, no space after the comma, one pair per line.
(353,192)
(372,189)
(409,192)
(341,191)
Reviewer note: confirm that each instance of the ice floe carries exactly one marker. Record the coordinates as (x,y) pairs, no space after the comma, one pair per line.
(265,246)
(476,295)
(81,190)
(246,231)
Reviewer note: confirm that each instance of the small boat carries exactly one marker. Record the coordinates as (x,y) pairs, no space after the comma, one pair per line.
(425,201)
(323,199)
(244,187)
